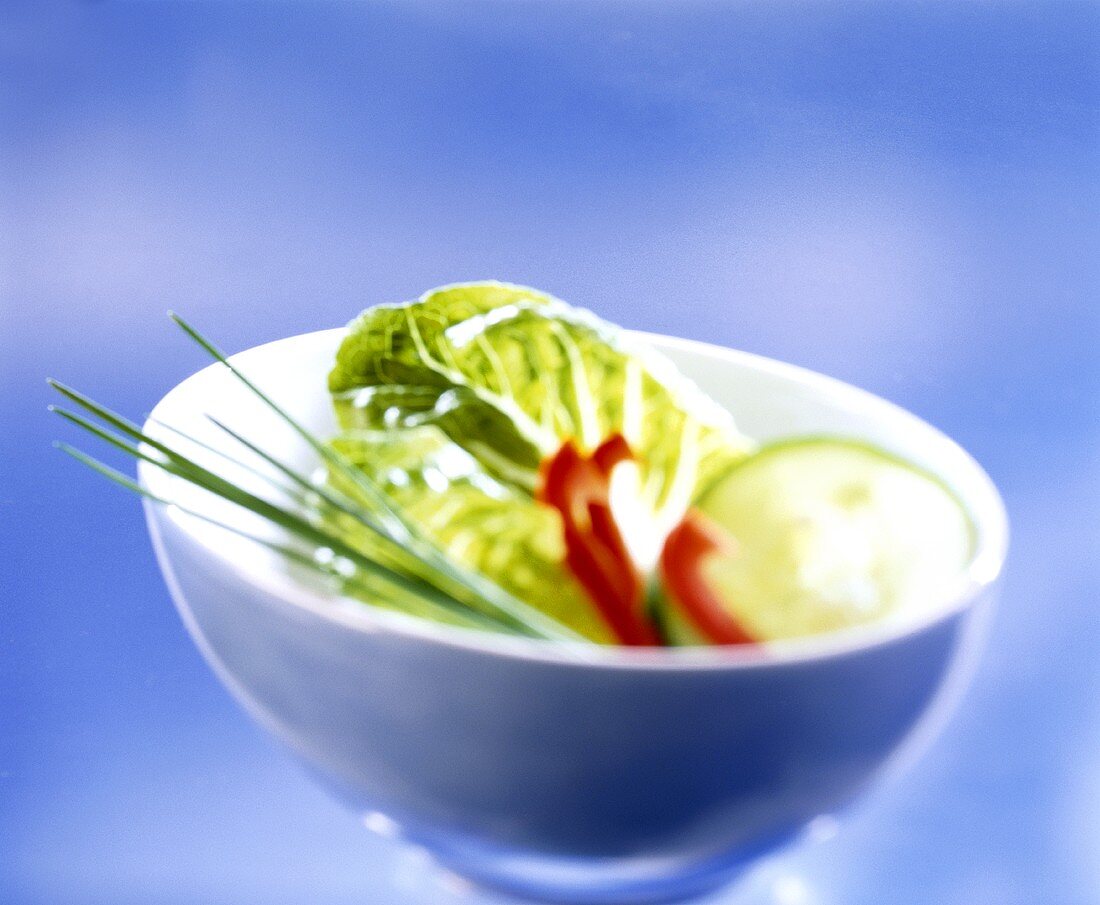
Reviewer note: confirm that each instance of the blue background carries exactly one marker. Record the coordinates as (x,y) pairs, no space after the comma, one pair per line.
(902,196)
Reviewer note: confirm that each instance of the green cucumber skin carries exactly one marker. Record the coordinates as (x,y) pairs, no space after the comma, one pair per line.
(783,444)
(806,440)
(676,628)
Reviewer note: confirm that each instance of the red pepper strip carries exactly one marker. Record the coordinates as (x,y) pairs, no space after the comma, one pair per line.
(595,551)
(611,452)
(689,543)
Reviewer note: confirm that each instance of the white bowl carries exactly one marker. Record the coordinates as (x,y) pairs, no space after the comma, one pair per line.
(568,773)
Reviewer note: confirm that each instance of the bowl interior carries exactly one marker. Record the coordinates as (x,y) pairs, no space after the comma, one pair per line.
(768,399)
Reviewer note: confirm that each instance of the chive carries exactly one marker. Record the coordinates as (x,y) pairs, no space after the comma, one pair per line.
(290,491)
(441,604)
(413,563)
(473,587)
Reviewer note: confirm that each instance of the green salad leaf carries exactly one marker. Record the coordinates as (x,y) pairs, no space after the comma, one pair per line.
(482,523)
(509,373)
(452,402)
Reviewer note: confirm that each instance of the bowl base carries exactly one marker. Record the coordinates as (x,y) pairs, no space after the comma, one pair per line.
(641,881)
(685,891)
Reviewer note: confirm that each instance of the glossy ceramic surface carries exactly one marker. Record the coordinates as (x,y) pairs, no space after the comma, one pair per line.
(574,775)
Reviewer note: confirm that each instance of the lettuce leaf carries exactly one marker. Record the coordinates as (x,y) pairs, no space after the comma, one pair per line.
(482,523)
(455,400)
(510,373)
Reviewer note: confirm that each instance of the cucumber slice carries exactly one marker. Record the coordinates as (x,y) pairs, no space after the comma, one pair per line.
(831,533)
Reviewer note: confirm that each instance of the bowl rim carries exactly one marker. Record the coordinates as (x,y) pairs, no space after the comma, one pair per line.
(983,571)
